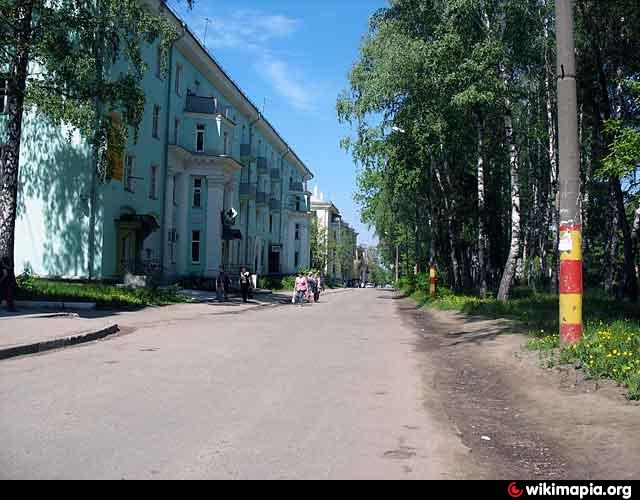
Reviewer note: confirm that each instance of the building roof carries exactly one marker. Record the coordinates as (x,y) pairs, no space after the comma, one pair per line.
(232,86)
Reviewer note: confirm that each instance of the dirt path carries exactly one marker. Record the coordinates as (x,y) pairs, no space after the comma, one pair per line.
(520,420)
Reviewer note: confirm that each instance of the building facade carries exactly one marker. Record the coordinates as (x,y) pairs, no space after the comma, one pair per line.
(339,239)
(204,153)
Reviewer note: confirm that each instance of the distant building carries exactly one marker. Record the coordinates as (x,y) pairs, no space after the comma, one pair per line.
(339,239)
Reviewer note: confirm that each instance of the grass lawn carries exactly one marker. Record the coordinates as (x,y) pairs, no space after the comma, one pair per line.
(611,345)
(104,296)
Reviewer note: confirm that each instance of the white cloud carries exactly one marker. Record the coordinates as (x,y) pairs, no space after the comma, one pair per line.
(279,74)
(252,31)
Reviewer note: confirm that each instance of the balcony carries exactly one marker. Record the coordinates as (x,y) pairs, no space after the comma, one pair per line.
(263,168)
(275,174)
(248,191)
(202,105)
(296,187)
(262,198)
(275,204)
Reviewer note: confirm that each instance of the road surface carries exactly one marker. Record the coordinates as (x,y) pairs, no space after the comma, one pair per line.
(334,390)
(363,385)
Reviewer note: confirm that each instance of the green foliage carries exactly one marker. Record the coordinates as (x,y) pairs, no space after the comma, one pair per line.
(610,350)
(434,78)
(611,345)
(87,64)
(31,288)
(624,158)
(278,284)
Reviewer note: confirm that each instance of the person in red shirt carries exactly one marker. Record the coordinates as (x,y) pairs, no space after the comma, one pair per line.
(301,288)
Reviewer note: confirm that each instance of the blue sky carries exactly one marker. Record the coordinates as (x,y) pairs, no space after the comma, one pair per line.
(293,57)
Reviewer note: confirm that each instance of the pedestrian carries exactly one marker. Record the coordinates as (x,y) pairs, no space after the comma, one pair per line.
(311,293)
(300,289)
(222,285)
(7,284)
(316,295)
(245,284)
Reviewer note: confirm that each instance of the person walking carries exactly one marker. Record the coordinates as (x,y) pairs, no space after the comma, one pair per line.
(7,284)
(316,294)
(245,284)
(313,287)
(300,290)
(222,285)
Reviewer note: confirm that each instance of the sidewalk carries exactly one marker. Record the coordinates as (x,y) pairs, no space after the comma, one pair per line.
(31,330)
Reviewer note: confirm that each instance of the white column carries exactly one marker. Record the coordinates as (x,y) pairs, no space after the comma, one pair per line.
(169,224)
(184,230)
(230,190)
(305,247)
(215,206)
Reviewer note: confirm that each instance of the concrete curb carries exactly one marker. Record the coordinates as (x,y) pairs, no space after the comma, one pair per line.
(56,306)
(50,345)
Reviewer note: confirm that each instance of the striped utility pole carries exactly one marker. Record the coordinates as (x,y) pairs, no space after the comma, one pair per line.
(571,281)
(433,281)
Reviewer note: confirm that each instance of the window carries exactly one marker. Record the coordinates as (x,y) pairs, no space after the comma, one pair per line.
(156,122)
(176,132)
(173,237)
(129,182)
(197,193)
(297,203)
(4,94)
(200,139)
(271,224)
(175,190)
(195,247)
(226,143)
(153,182)
(179,79)
(297,260)
(297,232)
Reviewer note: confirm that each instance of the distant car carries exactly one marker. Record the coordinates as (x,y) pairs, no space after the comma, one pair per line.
(370,285)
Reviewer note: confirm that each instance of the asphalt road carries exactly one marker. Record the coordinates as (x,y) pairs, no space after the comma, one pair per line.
(336,390)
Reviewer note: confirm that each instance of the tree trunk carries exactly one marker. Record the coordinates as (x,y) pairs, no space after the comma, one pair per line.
(629,276)
(635,235)
(10,152)
(508,275)
(554,172)
(482,234)
(611,251)
(449,206)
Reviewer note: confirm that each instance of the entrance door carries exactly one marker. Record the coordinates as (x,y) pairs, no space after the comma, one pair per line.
(274,262)
(127,250)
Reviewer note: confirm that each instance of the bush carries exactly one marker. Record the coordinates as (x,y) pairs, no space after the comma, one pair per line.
(31,288)
(277,283)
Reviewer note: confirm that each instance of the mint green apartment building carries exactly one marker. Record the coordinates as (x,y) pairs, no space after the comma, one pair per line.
(204,150)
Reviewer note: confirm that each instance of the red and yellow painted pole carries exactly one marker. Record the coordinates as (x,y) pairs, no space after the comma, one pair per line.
(571,284)
(433,281)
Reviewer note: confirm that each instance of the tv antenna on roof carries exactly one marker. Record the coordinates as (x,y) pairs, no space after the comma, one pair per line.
(264,105)
(206,27)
